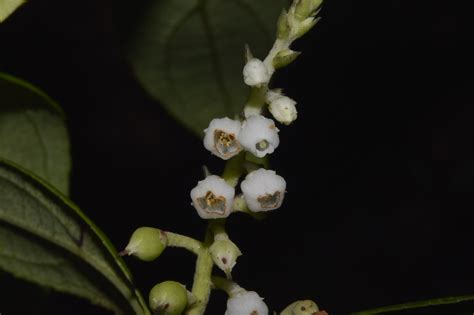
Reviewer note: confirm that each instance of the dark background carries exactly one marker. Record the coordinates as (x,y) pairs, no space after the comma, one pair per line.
(379,164)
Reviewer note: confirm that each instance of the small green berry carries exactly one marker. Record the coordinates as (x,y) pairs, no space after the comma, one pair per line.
(306,307)
(168,298)
(146,243)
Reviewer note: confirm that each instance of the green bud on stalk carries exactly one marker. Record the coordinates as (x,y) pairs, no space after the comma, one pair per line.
(284,58)
(283,25)
(224,253)
(306,8)
(146,243)
(305,26)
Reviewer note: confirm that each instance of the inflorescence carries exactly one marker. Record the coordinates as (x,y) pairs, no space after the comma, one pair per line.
(245,143)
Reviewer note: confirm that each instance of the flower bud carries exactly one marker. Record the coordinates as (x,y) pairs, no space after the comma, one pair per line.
(283,25)
(146,243)
(168,298)
(306,8)
(255,72)
(305,26)
(224,254)
(259,135)
(263,190)
(284,58)
(246,303)
(213,198)
(283,109)
(306,307)
(221,137)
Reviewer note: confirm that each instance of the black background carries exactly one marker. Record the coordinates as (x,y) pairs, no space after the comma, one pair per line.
(379,164)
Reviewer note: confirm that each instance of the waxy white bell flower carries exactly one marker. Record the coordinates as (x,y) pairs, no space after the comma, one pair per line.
(255,72)
(263,190)
(213,198)
(246,303)
(283,109)
(259,135)
(221,137)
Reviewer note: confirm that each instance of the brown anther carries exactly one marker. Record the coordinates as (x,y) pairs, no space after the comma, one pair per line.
(225,143)
(212,203)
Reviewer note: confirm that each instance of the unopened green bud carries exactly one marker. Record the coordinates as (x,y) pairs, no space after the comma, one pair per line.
(306,307)
(146,243)
(305,26)
(224,254)
(168,298)
(284,58)
(316,4)
(306,8)
(283,25)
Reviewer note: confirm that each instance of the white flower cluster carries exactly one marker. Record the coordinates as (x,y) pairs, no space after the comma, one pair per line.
(263,190)
(225,137)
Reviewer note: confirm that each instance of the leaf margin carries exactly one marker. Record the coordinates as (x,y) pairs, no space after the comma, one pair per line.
(105,241)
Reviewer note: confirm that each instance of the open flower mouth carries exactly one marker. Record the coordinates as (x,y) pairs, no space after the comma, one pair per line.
(269,200)
(226,143)
(262,145)
(212,203)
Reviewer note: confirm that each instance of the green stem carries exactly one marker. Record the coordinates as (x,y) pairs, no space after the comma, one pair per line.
(256,100)
(226,285)
(418,304)
(202,277)
(234,169)
(182,241)
(240,205)
(217,227)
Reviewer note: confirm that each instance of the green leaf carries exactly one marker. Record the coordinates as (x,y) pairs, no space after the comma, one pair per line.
(33,132)
(418,304)
(7,7)
(189,54)
(46,239)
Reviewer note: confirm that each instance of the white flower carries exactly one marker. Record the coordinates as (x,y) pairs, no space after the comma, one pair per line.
(283,109)
(213,198)
(263,190)
(221,137)
(255,72)
(259,135)
(246,303)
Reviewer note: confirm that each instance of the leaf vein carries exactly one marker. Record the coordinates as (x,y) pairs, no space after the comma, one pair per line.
(41,142)
(167,54)
(215,58)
